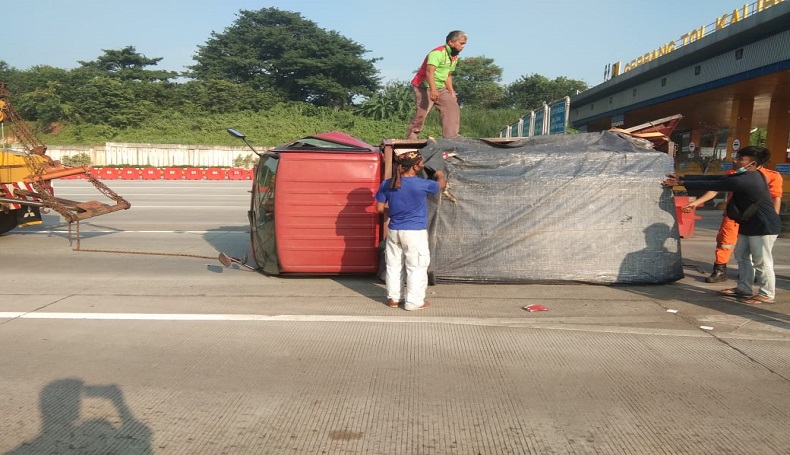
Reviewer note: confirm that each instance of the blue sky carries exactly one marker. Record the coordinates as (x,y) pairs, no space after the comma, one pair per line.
(571,38)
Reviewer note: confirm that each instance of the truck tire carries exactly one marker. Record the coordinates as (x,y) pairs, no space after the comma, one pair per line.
(7,221)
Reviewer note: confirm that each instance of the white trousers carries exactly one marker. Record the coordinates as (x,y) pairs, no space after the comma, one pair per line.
(409,248)
(756,264)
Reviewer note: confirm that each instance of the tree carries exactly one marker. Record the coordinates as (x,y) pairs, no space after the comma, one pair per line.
(108,101)
(530,92)
(220,96)
(477,82)
(279,51)
(36,93)
(6,71)
(395,101)
(129,65)
(712,147)
(45,105)
(757,137)
(117,89)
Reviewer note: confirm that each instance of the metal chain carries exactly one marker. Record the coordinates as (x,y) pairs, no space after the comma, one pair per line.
(147,253)
(35,154)
(79,248)
(49,200)
(43,190)
(104,189)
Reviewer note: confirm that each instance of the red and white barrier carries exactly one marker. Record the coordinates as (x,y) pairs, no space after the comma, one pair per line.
(130,173)
(151,173)
(169,173)
(215,173)
(173,173)
(237,174)
(193,173)
(107,173)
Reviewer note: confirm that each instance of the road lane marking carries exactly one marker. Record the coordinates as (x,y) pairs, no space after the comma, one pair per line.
(490,322)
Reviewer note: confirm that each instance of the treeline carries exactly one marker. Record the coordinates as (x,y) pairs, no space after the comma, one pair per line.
(273,74)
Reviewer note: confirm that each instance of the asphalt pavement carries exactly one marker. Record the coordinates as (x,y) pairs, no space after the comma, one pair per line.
(173,353)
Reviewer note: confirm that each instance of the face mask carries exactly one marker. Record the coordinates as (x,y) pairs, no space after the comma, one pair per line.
(454,52)
(741,170)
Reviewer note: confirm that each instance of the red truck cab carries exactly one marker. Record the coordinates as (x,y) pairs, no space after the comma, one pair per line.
(313,209)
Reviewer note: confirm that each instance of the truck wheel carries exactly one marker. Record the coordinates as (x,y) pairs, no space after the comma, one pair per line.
(7,221)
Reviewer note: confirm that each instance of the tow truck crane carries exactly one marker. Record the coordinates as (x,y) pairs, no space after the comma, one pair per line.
(26,179)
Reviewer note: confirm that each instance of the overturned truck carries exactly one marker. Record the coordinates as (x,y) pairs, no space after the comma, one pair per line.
(585,208)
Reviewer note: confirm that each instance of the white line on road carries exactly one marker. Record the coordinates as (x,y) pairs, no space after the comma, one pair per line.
(491,322)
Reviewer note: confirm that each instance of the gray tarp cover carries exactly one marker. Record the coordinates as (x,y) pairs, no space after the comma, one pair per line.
(585,207)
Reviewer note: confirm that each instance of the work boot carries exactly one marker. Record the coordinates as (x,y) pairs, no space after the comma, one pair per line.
(719,274)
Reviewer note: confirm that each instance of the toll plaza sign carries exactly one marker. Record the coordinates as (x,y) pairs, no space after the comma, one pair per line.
(558,116)
(719,23)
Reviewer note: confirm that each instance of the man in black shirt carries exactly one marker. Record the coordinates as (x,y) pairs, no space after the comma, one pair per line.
(758,227)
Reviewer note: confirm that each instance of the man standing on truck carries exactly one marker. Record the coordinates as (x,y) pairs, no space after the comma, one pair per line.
(407,238)
(433,85)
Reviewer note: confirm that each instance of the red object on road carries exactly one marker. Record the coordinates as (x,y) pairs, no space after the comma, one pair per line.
(237,174)
(173,173)
(193,173)
(215,173)
(151,173)
(535,307)
(108,173)
(130,173)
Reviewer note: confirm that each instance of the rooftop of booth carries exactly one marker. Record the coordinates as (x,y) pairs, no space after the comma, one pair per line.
(334,141)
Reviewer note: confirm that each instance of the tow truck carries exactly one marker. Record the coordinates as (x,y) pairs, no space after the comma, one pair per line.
(26,177)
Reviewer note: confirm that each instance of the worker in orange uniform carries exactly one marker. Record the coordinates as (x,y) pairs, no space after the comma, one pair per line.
(727,236)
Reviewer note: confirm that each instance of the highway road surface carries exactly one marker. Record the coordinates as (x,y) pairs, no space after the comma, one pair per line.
(144,343)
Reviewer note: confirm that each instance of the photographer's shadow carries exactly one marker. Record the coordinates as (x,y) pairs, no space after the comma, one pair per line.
(63,430)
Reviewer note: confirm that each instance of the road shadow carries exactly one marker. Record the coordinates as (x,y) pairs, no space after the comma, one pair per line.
(693,290)
(360,251)
(368,286)
(56,226)
(66,430)
(235,242)
(709,299)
